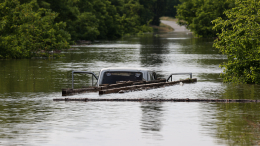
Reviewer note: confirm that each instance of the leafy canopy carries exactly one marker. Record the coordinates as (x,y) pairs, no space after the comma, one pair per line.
(26,29)
(240,41)
(197,15)
(98,19)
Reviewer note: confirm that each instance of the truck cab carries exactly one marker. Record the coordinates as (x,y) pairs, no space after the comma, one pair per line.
(114,75)
(119,74)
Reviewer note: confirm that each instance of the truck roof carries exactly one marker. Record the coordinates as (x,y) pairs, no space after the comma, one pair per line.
(132,69)
(144,71)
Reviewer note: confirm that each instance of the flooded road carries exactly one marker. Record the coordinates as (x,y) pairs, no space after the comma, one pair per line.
(175,26)
(28,116)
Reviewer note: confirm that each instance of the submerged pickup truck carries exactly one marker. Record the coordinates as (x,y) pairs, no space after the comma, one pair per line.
(124,79)
(119,74)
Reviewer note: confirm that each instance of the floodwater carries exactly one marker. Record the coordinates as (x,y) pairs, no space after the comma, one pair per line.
(28,116)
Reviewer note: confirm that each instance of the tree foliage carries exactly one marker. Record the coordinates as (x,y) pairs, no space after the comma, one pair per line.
(30,26)
(170,9)
(197,15)
(98,19)
(152,10)
(240,41)
(26,29)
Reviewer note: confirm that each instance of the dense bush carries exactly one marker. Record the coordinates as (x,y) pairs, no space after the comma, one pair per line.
(26,29)
(197,15)
(240,41)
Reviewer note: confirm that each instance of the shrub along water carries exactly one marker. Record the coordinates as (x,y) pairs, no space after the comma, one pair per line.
(197,15)
(240,41)
(26,29)
(35,27)
(236,25)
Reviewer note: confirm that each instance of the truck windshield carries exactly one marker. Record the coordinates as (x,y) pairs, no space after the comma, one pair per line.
(113,77)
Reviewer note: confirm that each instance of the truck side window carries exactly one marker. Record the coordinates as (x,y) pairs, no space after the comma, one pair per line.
(152,76)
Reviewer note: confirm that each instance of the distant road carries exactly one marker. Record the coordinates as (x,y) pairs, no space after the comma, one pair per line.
(174,25)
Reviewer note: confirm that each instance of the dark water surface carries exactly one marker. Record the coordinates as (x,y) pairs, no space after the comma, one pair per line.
(28,116)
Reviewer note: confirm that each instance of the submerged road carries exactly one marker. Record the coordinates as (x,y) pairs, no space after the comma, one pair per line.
(175,26)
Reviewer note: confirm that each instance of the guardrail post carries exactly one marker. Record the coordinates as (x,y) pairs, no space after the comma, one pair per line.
(178,74)
(85,72)
(72,80)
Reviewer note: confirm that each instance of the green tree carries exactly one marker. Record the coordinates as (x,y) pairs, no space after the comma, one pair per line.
(240,41)
(28,21)
(170,9)
(130,20)
(197,15)
(67,11)
(152,11)
(98,19)
(24,31)
(108,19)
(145,12)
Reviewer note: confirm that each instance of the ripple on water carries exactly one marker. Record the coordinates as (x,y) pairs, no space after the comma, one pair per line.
(28,116)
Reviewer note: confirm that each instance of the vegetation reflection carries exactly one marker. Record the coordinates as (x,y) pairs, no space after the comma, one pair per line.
(151,122)
(238,123)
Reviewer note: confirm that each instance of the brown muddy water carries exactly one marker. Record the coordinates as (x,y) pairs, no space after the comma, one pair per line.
(28,116)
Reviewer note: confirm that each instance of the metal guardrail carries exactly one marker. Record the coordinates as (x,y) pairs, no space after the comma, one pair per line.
(170,76)
(85,72)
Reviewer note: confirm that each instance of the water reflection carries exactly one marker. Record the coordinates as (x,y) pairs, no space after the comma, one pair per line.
(238,123)
(241,91)
(29,76)
(151,122)
(152,50)
(23,118)
(28,115)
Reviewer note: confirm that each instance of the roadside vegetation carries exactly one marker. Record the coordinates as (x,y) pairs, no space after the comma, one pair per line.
(197,15)
(236,26)
(168,18)
(163,27)
(239,39)
(31,28)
